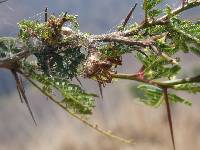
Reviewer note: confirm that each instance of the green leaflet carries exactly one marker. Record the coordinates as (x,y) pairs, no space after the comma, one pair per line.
(9,46)
(73,19)
(157,67)
(149,7)
(185,35)
(44,31)
(168,10)
(152,3)
(29,27)
(60,64)
(189,87)
(195,50)
(155,30)
(57,55)
(74,98)
(155,12)
(153,96)
(115,50)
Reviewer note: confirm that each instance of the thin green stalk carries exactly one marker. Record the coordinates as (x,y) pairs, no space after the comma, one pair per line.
(169,83)
(93,126)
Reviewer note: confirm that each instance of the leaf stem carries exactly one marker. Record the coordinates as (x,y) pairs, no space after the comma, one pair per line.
(168,84)
(93,126)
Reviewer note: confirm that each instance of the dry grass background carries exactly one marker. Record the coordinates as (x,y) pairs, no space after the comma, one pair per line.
(118,112)
(58,131)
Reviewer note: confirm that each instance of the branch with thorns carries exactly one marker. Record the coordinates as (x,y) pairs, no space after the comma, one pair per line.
(102,69)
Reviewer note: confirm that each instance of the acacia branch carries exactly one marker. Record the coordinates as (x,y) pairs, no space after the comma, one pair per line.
(171,83)
(164,20)
(122,37)
(167,84)
(134,77)
(119,36)
(115,37)
(180,9)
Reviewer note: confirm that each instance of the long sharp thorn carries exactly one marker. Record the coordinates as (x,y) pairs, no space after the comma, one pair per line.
(26,101)
(21,82)
(128,16)
(3,1)
(169,117)
(79,81)
(20,96)
(101,90)
(17,86)
(46,14)
(22,93)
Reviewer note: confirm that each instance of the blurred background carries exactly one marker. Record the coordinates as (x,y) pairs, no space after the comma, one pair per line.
(119,112)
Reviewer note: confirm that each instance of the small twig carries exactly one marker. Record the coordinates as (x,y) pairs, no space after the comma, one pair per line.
(119,39)
(134,77)
(95,127)
(167,84)
(171,83)
(164,55)
(113,37)
(162,20)
(180,9)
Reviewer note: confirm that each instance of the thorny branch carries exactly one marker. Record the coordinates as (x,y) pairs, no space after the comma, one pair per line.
(119,36)
(164,19)
(3,1)
(104,67)
(166,84)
